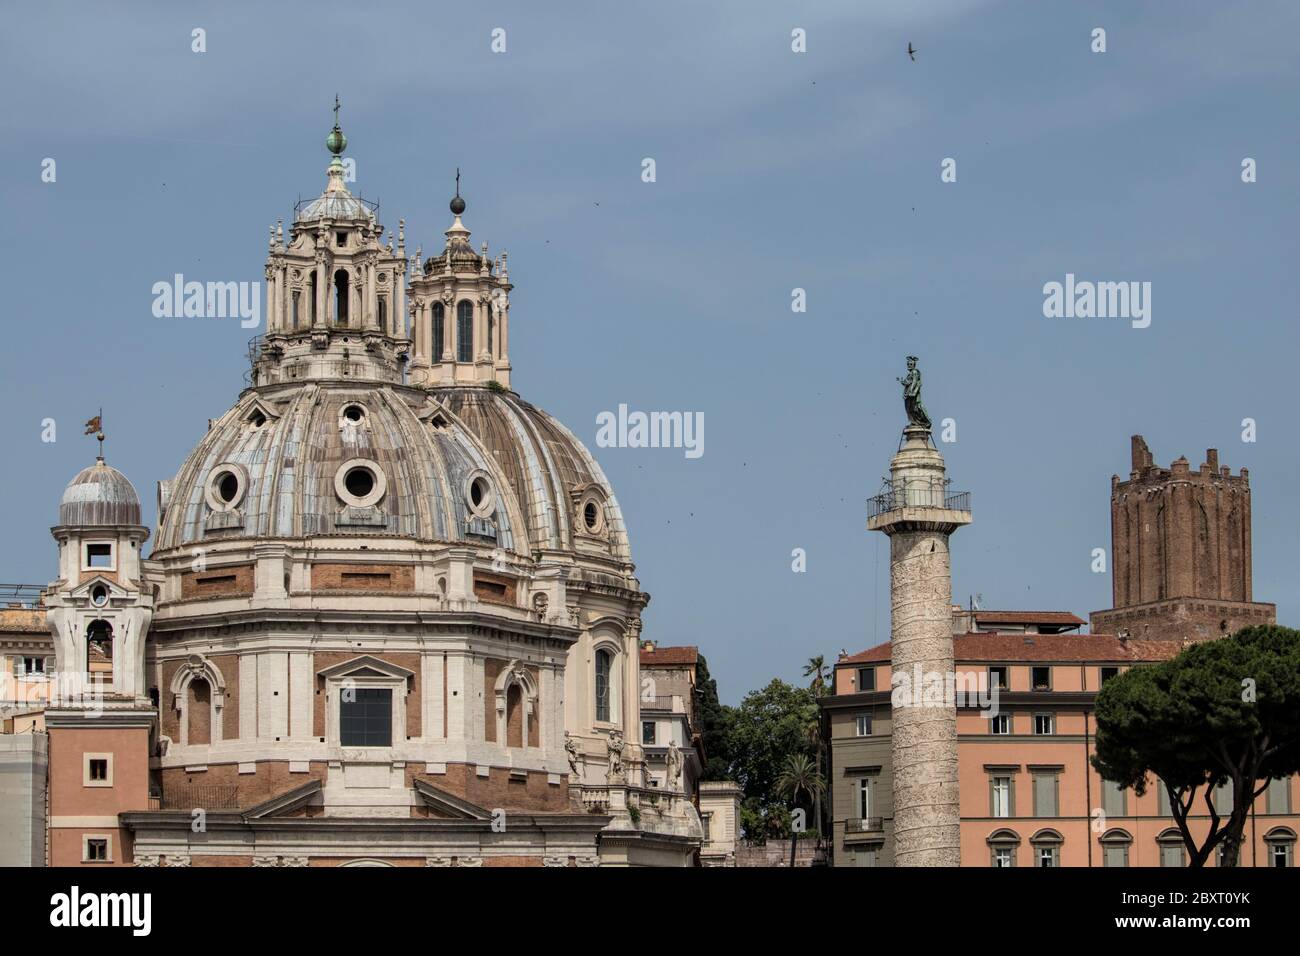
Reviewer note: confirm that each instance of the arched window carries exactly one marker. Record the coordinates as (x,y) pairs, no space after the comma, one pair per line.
(435,341)
(515,716)
(1281,846)
(465,331)
(311,297)
(198,711)
(1114,847)
(1172,851)
(99,649)
(1003,844)
(383,315)
(296,297)
(604,667)
(1047,848)
(489,329)
(341,297)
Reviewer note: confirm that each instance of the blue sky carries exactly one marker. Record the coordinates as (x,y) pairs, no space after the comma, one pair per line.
(775,170)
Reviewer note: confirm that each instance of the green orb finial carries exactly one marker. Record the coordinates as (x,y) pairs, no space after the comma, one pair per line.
(336,142)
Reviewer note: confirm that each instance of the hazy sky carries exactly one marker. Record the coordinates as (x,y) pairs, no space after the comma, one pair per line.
(775,170)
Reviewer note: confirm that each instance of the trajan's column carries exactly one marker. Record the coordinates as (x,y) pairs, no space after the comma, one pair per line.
(919,514)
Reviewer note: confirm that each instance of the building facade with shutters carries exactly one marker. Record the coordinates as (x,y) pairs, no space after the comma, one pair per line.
(1029,795)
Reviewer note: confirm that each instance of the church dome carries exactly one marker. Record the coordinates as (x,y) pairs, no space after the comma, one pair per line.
(99,495)
(461,465)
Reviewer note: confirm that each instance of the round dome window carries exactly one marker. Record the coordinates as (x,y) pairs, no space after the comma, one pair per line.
(227,484)
(592,514)
(478,494)
(360,482)
(99,595)
(354,413)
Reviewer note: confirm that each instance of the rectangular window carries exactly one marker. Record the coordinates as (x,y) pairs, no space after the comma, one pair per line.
(1045,792)
(866,678)
(1279,795)
(648,732)
(1115,855)
(1041,678)
(1044,724)
(864,797)
(99,556)
(33,665)
(1114,799)
(998,678)
(1223,799)
(1107,673)
(1003,857)
(96,850)
(1046,856)
(366,717)
(1280,854)
(97,770)
(1000,724)
(1000,796)
(864,725)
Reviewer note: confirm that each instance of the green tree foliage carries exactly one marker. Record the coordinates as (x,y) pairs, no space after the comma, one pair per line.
(768,727)
(817,670)
(715,723)
(1225,712)
(800,777)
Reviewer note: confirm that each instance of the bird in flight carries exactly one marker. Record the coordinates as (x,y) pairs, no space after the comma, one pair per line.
(911,52)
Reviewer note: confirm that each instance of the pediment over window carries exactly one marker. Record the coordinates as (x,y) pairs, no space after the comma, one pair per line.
(448,805)
(366,666)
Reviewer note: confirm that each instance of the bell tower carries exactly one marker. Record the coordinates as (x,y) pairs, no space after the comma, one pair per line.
(460,311)
(101,720)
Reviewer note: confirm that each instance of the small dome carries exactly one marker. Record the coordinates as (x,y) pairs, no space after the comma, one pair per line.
(99,495)
(338,206)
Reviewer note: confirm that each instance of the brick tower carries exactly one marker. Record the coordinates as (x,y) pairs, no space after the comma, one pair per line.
(1180,546)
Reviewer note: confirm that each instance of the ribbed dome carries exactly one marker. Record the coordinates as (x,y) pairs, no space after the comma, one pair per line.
(334,205)
(99,495)
(277,465)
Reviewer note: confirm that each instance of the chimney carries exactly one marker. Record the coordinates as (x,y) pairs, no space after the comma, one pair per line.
(1212,459)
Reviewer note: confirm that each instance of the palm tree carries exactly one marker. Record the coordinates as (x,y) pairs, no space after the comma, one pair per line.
(816,669)
(799,776)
